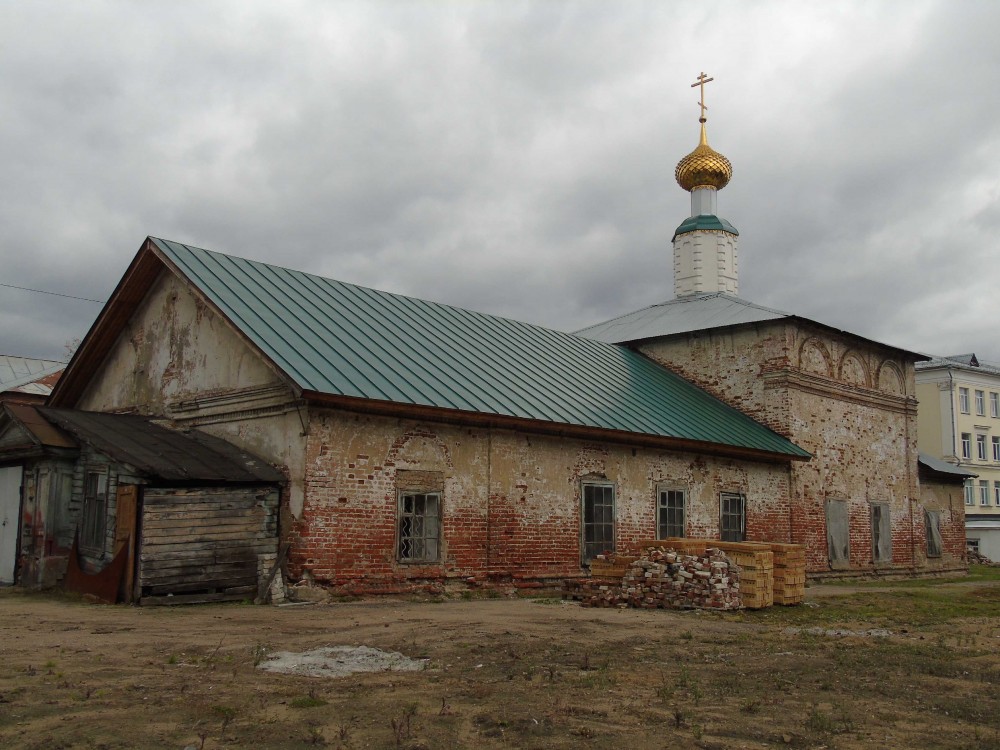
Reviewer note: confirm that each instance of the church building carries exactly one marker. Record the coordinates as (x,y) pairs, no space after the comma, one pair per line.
(421,446)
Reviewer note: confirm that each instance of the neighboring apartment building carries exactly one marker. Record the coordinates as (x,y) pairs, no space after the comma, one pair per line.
(959,421)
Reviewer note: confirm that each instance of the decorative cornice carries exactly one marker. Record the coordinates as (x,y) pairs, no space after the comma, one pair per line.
(241,399)
(821,386)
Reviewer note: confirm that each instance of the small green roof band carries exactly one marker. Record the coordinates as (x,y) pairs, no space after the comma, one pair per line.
(705,221)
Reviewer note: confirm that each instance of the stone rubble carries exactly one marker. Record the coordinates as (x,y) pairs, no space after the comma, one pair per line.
(664,578)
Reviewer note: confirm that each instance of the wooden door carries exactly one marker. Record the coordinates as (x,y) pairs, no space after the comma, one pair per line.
(10,518)
(125,515)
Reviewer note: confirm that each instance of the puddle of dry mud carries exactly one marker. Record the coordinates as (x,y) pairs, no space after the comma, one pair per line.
(340,661)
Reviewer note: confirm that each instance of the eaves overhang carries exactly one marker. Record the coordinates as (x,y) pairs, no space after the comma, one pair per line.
(540,427)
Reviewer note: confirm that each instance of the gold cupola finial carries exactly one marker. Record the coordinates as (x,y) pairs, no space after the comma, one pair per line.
(703,167)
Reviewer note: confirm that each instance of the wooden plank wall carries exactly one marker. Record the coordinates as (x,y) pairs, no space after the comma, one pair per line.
(203,544)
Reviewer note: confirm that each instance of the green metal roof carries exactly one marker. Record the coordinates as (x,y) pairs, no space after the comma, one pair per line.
(336,338)
(705,221)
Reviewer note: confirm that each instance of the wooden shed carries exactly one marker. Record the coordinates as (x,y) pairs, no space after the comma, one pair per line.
(147,513)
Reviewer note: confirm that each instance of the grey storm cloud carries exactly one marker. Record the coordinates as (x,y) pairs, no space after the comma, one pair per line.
(514,158)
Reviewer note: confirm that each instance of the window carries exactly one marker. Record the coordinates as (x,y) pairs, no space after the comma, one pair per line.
(966,445)
(838,537)
(670,514)
(598,520)
(963,400)
(972,545)
(95,509)
(995,404)
(996,448)
(980,403)
(984,492)
(419,527)
(981,447)
(733,517)
(968,492)
(932,520)
(881,533)
(996,493)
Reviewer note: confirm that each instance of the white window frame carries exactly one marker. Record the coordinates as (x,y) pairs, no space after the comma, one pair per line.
(980,403)
(967,445)
(994,404)
(996,493)
(969,492)
(963,400)
(984,492)
(981,447)
(996,448)
(666,499)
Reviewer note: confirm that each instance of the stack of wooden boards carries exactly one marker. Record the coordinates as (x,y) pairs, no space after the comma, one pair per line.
(789,573)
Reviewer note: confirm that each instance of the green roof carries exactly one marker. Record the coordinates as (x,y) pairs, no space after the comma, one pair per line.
(705,221)
(334,338)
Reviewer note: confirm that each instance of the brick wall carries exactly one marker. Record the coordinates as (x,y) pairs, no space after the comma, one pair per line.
(847,401)
(510,501)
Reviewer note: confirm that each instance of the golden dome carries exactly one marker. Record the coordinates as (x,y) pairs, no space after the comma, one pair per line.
(703,167)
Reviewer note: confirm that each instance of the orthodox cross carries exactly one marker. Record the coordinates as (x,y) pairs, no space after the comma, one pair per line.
(702,80)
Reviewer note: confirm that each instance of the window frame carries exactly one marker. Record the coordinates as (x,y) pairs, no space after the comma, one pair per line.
(589,546)
(970,492)
(404,537)
(984,492)
(996,447)
(664,526)
(967,445)
(981,447)
(994,404)
(880,514)
(980,397)
(726,533)
(932,526)
(996,492)
(963,400)
(94,511)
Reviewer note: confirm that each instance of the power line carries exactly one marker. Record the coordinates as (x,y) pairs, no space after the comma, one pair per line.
(54,294)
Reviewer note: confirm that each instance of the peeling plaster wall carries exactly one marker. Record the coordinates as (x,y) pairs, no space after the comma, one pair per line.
(848,402)
(948,499)
(178,359)
(510,501)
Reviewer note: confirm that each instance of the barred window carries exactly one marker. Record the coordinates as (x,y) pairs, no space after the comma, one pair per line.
(419,527)
(733,517)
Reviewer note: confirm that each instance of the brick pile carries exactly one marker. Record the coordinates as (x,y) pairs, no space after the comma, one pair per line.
(664,578)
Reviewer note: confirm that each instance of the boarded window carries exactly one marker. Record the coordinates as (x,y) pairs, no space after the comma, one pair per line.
(881,533)
(733,517)
(670,511)
(933,522)
(838,538)
(419,527)
(598,520)
(95,510)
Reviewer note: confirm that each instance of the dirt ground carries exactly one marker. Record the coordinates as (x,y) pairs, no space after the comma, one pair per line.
(535,673)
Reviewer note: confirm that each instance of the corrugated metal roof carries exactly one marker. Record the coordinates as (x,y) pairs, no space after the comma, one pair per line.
(960,362)
(160,452)
(694,313)
(336,338)
(18,372)
(940,466)
(699,313)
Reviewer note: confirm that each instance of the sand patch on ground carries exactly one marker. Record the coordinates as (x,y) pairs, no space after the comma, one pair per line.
(340,661)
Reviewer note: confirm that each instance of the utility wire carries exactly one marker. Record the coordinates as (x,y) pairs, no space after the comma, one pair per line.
(54,294)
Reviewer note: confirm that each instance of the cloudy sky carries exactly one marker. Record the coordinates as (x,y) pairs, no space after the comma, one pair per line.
(515,158)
